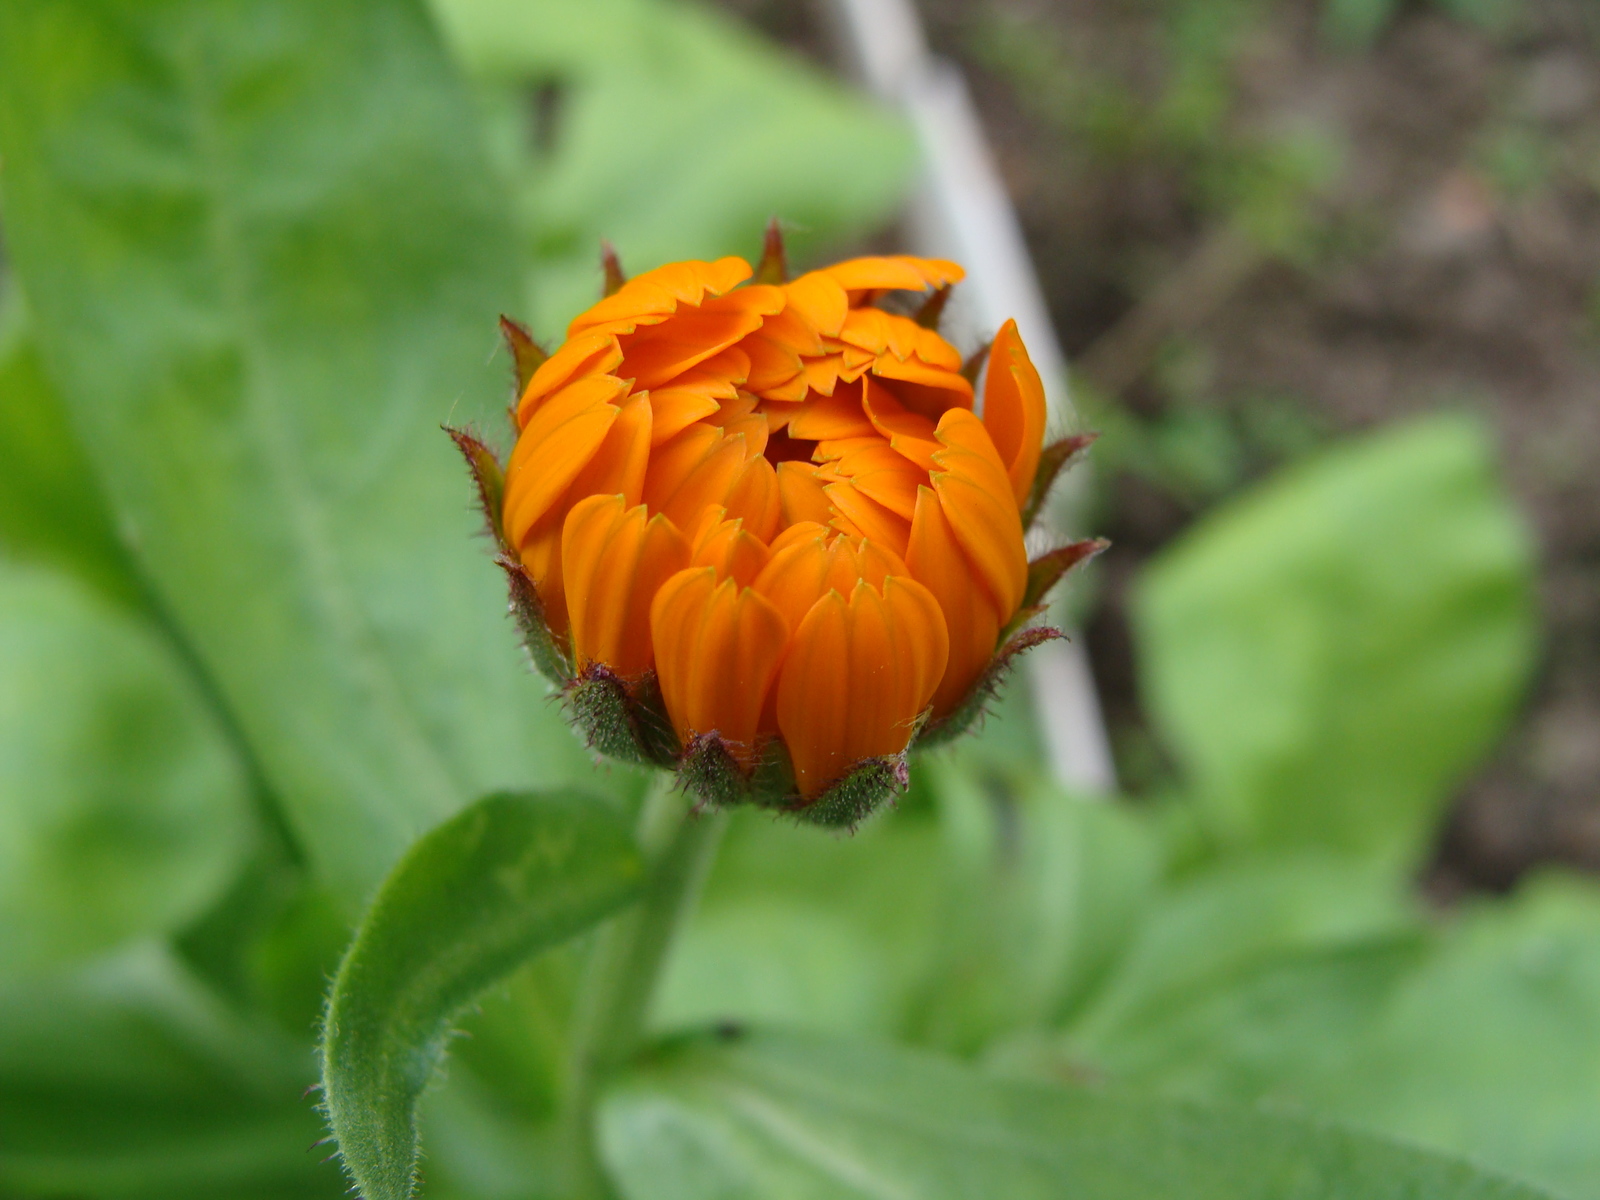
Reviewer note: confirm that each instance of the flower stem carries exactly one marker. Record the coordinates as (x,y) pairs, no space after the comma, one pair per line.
(614,996)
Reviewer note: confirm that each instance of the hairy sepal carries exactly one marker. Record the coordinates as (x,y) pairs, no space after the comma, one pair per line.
(490,478)
(544,648)
(870,784)
(527,356)
(620,720)
(1046,571)
(712,773)
(984,688)
(1053,459)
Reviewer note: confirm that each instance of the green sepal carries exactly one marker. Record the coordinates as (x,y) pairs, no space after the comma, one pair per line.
(973,366)
(1046,571)
(625,722)
(612,266)
(774,265)
(711,773)
(546,650)
(983,690)
(932,310)
(527,356)
(1053,459)
(853,799)
(489,476)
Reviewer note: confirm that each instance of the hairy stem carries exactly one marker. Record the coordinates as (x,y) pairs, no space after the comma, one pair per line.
(614,997)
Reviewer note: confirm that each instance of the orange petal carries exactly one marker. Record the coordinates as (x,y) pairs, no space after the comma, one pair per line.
(657,353)
(881,473)
(800,494)
(718,648)
(857,676)
(1014,409)
(817,300)
(975,494)
(894,273)
(795,575)
(618,466)
(835,416)
(755,498)
(561,437)
(540,552)
(661,291)
(731,550)
(592,354)
(682,486)
(921,643)
(613,561)
(871,518)
(922,388)
(910,434)
(935,559)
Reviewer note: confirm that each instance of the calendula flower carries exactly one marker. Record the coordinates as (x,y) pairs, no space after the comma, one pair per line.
(763,532)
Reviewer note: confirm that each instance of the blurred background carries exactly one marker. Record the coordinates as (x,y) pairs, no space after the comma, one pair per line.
(1327,275)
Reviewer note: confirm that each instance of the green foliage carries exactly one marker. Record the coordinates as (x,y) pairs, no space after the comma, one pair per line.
(130,1079)
(1357,23)
(669,131)
(1493,1045)
(496,884)
(51,507)
(786,1116)
(123,809)
(1331,654)
(265,262)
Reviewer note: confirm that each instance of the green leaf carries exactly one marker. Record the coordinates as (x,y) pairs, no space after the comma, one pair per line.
(672,132)
(123,809)
(264,252)
(1042,891)
(51,506)
(1330,654)
(1255,980)
(775,961)
(1354,24)
(494,885)
(129,1080)
(867,905)
(776,1118)
(1492,1047)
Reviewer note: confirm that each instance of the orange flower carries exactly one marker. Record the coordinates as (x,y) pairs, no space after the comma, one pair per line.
(758,532)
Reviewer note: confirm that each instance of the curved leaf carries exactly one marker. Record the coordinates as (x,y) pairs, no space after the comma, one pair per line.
(791,1118)
(508,877)
(1330,654)
(123,809)
(264,253)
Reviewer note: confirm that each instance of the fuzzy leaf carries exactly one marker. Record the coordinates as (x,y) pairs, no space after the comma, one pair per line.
(508,877)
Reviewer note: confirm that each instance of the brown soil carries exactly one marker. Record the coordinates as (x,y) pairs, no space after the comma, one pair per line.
(1452,256)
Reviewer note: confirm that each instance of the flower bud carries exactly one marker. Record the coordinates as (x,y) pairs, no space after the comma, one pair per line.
(758,532)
